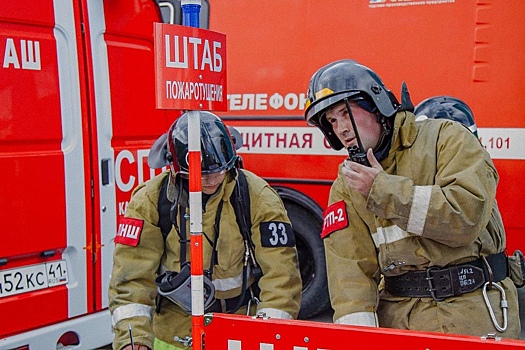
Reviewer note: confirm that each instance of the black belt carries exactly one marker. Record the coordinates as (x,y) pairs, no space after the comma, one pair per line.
(440,283)
(227,305)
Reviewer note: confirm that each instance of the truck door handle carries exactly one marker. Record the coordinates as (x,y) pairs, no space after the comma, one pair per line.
(104,168)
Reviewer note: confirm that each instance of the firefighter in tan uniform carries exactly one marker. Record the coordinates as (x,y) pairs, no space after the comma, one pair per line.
(413,236)
(144,293)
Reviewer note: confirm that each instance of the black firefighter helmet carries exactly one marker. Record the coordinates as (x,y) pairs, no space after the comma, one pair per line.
(346,79)
(447,107)
(218,147)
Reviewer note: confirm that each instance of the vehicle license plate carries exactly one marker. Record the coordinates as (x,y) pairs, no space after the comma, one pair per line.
(34,277)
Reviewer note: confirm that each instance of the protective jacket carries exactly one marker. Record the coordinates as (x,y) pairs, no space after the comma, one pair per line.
(432,205)
(132,291)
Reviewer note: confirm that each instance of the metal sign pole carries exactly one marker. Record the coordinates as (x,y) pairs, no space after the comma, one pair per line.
(197,279)
(190,12)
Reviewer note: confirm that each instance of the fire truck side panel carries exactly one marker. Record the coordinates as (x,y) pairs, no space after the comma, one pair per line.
(42,219)
(127,119)
(511,191)
(471,50)
(77,134)
(103,128)
(78,116)
(76,187)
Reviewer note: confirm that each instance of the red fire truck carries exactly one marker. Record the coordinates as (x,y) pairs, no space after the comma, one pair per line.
(78,118)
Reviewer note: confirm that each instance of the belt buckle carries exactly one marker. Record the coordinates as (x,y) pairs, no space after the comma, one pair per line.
(429,279)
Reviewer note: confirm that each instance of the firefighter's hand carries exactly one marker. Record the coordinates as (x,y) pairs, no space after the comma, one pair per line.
(137,347)
(360,177)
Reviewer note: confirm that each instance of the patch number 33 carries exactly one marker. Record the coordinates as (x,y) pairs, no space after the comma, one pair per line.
(277,234)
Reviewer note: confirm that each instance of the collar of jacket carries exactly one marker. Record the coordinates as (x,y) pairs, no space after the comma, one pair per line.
(225,191)
(404,135)
(405,131)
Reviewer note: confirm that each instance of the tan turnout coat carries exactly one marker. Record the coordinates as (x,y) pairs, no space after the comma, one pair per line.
(132,290)
(433,205)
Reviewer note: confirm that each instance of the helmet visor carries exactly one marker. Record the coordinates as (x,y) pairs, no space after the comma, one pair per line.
(218,151)
(317,109)
(217,147)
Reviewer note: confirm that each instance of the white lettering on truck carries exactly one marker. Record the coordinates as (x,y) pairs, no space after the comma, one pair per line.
(130,171)
(124,186)
(284,140)
(260,102)
(129,183)
(30,54)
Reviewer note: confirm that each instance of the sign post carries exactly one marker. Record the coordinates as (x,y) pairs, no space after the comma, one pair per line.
(195,197)
(190,65)
(190,17)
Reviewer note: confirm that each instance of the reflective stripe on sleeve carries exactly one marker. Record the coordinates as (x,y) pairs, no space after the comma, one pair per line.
(275,313)
(359,319)
(419,209)
(130,310)
(385,235)
(224,284)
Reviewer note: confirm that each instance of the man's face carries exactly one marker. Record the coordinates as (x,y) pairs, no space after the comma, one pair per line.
(367,126)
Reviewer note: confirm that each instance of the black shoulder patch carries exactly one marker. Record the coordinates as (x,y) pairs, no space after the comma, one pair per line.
(277,234)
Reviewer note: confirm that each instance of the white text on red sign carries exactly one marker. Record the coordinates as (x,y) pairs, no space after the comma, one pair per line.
(190,65)
(210,59)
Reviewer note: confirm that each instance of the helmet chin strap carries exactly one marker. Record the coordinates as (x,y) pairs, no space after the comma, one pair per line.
(359,143)
(383,145)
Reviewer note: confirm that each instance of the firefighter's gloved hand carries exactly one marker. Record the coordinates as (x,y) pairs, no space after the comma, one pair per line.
(360,177)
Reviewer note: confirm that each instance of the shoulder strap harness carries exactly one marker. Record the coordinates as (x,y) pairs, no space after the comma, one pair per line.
(240,201)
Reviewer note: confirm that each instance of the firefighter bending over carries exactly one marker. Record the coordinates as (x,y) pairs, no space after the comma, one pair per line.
(413,236)
(254,268)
